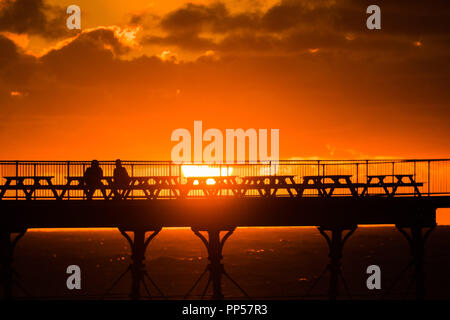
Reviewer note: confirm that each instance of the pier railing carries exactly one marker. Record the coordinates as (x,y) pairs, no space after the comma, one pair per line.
(427,177)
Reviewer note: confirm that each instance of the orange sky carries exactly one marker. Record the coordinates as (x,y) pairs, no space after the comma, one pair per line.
(140,69)
(309,68)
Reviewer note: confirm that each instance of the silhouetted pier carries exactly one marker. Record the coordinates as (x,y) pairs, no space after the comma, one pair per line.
(335,196)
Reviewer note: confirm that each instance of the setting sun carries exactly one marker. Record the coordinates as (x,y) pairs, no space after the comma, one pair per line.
(205,171)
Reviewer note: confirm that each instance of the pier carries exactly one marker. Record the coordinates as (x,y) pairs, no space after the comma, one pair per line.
(215,199)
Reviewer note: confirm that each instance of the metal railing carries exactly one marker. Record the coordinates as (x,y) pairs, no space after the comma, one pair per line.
(432,174)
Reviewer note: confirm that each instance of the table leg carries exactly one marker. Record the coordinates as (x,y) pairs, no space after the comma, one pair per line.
(416,188)
(351,186)
(24,189)
(4,188)
(52,188)
(397,184)
(383,185)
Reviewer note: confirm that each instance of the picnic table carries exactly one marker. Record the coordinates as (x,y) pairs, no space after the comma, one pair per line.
(151,186)
(398,180)
(88,190)
(210,189)
(268,185)
(326,184)
(68,186)
(28,189)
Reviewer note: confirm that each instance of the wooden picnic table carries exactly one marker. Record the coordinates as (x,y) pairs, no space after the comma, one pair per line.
(398,180)
(272,179)
(339,181)
(81,185)
(28,189)
(150,185)
(210,189)
(268,185)
(68,186)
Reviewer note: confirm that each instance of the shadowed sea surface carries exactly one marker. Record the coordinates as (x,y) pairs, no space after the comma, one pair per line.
(279,263)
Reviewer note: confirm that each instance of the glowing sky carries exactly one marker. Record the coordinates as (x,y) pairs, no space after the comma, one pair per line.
(141,69)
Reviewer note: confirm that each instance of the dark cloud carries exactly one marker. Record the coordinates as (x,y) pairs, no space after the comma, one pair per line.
(214,18)
(145,18)
(297,14)
(94,56)
(88,58)
(294,25)
(33,17)
(84,61)
(99,39)
(8,51)
(15,66)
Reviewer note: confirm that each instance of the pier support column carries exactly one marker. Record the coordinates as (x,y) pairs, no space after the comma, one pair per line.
(7,272)
(139,273)
(215,268)
(336,245)
(416,240)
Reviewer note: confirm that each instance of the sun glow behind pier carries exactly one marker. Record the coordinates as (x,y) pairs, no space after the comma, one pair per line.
(205,171)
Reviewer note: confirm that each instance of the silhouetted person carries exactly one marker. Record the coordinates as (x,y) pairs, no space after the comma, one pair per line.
(93,179)
(121,177)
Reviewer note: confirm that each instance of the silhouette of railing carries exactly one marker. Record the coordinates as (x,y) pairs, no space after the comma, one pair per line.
(62,180)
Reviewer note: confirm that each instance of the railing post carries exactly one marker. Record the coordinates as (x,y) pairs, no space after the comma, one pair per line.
(84,169)
(34,174)
(357,177)
(17,174)
(393,170)
(68,175)
(429,177)
(132,175)
(367,170)
(415,193)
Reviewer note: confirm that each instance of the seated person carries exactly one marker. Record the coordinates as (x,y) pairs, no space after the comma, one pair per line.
(121,177)
(93,179)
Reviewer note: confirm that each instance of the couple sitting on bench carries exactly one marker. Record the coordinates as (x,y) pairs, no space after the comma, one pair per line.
(94,174)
